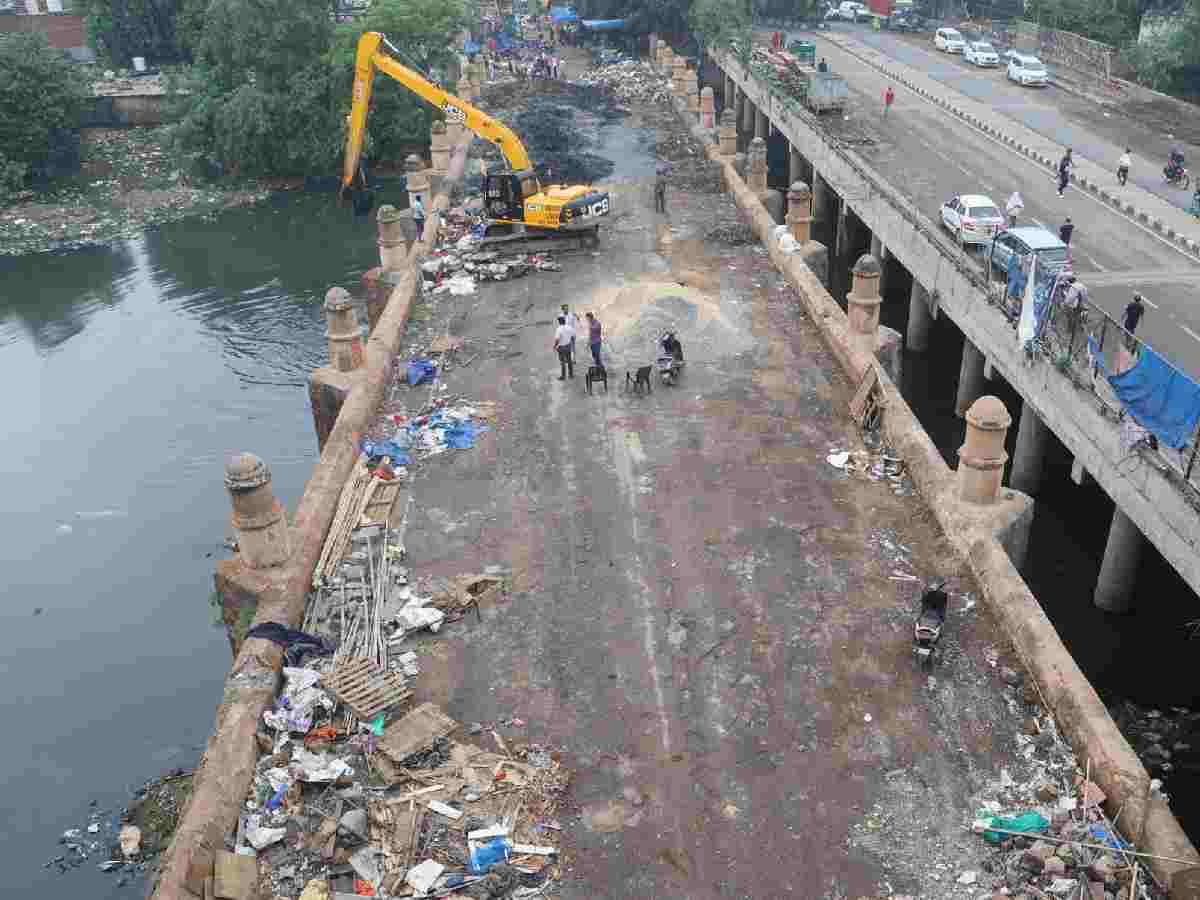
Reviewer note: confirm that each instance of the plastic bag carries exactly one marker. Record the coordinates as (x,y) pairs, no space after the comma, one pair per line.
(484,855)
(421,371)
(1026,823)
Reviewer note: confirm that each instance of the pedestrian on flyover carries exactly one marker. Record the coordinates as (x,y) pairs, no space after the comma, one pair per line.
(1065,230)
(1013,208)
(595,337)
(822,66)
(1123,165)
(418,209)
(1133,314)
(563,336)
(889,97)
(1065,165)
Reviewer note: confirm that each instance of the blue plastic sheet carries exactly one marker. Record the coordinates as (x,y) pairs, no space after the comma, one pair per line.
(1104,836)
(560,14)
(1162,400)
(603,24)
(484,856)
(421,371)
(379,449)
(461,435)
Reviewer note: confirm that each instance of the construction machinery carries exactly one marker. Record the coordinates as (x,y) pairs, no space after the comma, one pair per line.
(514,201)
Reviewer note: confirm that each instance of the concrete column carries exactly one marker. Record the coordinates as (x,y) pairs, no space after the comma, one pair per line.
(679,77)
(730,93)
(419,184)
(862,303)
(795,166)
(464,88)
(818,188)
(439,149)
(653,46)
(748,115)
(799,212)
(727,137)
(756,167)
(660,54)
(342,331)
(1030,452)
(920,320)
(395,236)
(970,377)
(739,106)
(258,519)
(708,108)
(1118,572)
(981,458)
(691,90)
(762,126)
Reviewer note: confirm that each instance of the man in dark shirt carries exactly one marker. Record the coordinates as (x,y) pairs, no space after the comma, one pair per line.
(1065,230)
(1133,315)
(1064,171)
(595,338)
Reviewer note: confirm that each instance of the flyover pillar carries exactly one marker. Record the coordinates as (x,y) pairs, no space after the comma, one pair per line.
(1118,572)
(970,377)
(819,200)
(762,125)
(748,116)
(920,320)
(730,93)
(1030,451)
(795,166)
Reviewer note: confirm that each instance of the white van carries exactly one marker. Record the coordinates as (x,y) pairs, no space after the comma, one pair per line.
(949,40)
(1027,70)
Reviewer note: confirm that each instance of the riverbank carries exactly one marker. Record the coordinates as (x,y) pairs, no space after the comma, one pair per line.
(128,181)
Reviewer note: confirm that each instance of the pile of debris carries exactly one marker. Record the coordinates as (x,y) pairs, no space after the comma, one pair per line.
(732,233)
(1166,740)
(458,271)
(878,463)
(631,81)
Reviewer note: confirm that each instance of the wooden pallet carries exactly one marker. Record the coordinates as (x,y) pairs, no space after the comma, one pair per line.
(365,688)
(415,732)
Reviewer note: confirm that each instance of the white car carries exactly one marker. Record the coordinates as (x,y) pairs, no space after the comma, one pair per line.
(981,53)
(1027,70)
(850,11)
(949,40)
(973,218)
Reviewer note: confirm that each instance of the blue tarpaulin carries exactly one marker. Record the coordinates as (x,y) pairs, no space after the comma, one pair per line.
(471,47)
(1162,400)
(603,24)
(391,449)
(421,371)
(561,14)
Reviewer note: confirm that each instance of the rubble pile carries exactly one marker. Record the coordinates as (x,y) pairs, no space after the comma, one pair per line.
(458,271)
(735,234)
(683,160)
(630,81)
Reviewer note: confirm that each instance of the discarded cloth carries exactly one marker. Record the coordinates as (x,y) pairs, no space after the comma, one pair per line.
(296,644)
(1026,823)
(378,450)
(297,702)
(421,371)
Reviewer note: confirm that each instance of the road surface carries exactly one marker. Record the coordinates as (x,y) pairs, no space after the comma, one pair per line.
(931,156)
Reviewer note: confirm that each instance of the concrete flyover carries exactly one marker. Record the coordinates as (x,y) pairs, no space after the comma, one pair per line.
(1155,499)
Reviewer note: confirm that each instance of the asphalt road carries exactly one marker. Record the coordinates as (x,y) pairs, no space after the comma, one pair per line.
(703,614)
(1052,112)
(932,157)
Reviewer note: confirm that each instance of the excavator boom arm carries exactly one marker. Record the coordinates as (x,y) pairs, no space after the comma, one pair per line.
(369,58)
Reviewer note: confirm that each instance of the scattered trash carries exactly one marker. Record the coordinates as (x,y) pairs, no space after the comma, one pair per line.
(130,840)
(838,459)
(421,371)
(421,878)
(968,877)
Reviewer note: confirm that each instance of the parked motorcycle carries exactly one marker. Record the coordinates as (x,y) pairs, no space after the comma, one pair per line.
(670,357)
(1178,177)
(927,629)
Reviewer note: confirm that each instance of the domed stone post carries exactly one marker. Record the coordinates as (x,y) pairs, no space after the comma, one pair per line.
(258,519)
(666,59)
(708,108)
(342,331)
(691,89)
(982,456)
(464,89)
(439,149)
(727,137)
(419,184)
(395,236)
(679,76)
(757,167)
(862,303)
(799,211)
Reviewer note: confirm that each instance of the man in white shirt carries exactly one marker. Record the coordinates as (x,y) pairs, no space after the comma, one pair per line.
(573,324)
(564,337)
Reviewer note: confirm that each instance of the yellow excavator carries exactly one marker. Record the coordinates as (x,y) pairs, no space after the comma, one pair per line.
(512,199)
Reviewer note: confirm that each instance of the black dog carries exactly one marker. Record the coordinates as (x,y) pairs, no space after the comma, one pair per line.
(597,373)
(636,382)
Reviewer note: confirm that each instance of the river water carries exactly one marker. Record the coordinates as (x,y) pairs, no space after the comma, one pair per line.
(133,371)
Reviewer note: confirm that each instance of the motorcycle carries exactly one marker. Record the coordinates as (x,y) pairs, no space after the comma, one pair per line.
(927,629)
(1122,175)
(1177,177)
(670,358)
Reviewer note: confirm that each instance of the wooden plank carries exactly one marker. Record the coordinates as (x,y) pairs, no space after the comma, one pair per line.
(862,400)
(366,689)
(416,731)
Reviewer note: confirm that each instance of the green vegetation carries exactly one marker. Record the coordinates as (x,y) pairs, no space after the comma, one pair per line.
(40,103)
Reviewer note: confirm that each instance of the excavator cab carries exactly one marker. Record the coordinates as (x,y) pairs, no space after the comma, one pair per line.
(505,192)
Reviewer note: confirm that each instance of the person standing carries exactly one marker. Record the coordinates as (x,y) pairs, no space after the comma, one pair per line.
(1123,165)
(889,97)
(1065,230)
(563,336)
(660,191)
(573,324)
(1013,208)
(418,209)
(1064,171)
(595,338)
(1132,316)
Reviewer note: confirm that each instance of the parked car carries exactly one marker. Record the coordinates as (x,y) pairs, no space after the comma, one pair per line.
(1025,240)
(949,40)
(973,218)
(849,10)
(1027,71)
(981,53)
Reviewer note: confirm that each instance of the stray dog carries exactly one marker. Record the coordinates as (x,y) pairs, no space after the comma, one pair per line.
(635,382)
(596,373)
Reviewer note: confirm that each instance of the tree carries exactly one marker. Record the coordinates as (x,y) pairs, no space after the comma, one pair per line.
(41,99)
(122,29)
(718,22)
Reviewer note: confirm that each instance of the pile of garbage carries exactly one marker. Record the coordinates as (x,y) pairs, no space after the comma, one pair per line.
(630,81)
(1166,740)
(458,271)
(442,425)
(878,463)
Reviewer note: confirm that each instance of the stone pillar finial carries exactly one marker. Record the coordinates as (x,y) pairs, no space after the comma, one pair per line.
(727,134)
(464,88)
(708,108)
(862,303)
(419,182)
(757,166)
(392,238)
(439,148)
(679,76)
(342,331)
(258,518)
(691,90)
(981,458)
(799,211)
(660,52)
